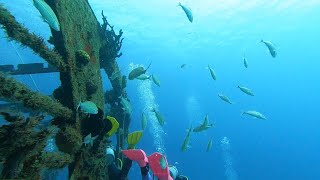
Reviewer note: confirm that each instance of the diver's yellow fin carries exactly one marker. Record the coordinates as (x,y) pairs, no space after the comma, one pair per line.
(133,139)
(115,125)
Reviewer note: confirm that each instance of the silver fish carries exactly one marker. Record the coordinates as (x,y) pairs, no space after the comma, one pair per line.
(143,121)
(47,14)
(155,80)
(204,126)
(246,90)
(188,11)
(255,114)
(271,47)
(186,141)
(213,74)
(245,62)
(126,106)
(137,72)
(159,116)
(143,77)
(225,98)
(209,146)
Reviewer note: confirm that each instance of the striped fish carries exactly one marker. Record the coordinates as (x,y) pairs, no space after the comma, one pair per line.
(47,14)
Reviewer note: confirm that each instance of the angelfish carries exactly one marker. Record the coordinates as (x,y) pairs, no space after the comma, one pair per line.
(47,14)
(188,11)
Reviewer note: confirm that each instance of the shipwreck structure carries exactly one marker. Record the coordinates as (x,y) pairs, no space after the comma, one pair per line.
(81,48)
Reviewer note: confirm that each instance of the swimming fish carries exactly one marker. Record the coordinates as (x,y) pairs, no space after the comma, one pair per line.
(186,141)
(245,62)
(183,66)
(89,139)
(137,72)
(114,75)
(225,98)
(47,14)
(255,114)
(159,116)
(209,146)
(143,77)
(155,80)
(204,126)
(213,74)
(188,11)
(271,47)
(88,107)
(246,90)
(126,106)
(143,121)
(162,162)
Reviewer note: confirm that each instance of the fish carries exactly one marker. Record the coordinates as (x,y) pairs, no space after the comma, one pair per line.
(204,126)
(126,106)
(159,116)
(213,74)
(271,47)
(225,98)
(143,77)
(245,62)
(155,80)
(186,141)
(143,121)
(89,139)
(88,107)
(162,162)
(183,66)
(255,114)
(246,90)
(114,75)
(187,11)
(136,72)
(209,146)
(47,14)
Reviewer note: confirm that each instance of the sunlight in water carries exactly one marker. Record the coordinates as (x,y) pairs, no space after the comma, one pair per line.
(147,99)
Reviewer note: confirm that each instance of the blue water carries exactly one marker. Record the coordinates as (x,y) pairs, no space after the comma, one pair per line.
(286,146)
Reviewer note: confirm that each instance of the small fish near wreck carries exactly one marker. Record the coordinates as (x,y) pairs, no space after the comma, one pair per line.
(271,48)
(188,11)
(136,72)
(88,107)
(47,14)
(89,139)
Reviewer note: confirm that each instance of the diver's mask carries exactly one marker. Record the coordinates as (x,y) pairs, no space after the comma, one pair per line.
(173,171)
(110,155)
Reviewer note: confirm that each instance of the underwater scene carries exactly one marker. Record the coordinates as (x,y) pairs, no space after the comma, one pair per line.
(159,89)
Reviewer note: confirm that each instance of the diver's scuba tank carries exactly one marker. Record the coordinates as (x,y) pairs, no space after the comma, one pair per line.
(173,171)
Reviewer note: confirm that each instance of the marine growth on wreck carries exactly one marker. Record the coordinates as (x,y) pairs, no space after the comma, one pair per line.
(82,47)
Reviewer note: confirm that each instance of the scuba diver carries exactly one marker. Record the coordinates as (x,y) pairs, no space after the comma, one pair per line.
(156,162)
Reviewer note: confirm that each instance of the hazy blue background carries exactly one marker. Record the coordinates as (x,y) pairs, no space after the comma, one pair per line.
(286,146)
